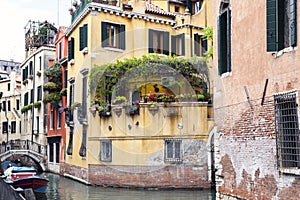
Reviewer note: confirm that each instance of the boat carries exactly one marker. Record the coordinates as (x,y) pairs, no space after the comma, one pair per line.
(26,178)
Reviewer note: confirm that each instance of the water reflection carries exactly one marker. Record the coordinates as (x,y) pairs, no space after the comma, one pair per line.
(67,189)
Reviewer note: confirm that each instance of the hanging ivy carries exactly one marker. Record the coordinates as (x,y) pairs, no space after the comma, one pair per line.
(103,79)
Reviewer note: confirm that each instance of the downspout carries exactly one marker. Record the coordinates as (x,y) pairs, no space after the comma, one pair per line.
(33,85)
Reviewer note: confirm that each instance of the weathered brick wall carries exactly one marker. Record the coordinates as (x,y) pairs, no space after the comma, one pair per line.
(177,176)
(246,160)
(76,171)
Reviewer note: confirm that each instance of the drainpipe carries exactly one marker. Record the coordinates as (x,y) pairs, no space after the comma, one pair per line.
(33,96)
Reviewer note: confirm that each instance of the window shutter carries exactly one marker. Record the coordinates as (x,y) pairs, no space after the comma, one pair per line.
(81,40)
(222,43)
(228,24)
(71,49)
(150,41)
(166,43)
(26,99)
(83,37)
(104,35)
(183,44)
(293,23)
(173,45)
(122,37)
(271,25)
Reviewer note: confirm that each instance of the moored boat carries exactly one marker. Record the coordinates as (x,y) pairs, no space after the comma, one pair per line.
(25,178)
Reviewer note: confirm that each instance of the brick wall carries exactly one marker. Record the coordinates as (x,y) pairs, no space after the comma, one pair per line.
(246,156)
(75,171)
(179,176)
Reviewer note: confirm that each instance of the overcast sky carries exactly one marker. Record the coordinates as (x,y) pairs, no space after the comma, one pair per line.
(14,16)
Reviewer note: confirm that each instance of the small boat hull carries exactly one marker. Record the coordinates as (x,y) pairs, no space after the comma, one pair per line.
(38,184)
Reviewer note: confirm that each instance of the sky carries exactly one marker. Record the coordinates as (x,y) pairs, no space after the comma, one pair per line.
(14,16)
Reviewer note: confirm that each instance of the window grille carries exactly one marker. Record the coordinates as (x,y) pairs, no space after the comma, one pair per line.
(287,130)
(106,150)
(173,150)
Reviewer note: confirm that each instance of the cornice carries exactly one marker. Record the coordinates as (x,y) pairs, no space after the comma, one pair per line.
(116,11)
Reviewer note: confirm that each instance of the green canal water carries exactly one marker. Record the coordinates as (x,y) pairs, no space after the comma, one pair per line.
(67,189)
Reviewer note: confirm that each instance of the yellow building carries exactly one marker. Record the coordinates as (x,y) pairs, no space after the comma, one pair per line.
(161,146)
(10,115)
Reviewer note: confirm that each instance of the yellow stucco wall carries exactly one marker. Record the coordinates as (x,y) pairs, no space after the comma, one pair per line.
(126,149)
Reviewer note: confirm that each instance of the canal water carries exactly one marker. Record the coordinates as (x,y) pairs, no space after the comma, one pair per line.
(67,189)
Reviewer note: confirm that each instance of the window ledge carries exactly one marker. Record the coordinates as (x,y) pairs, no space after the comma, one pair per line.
(294,171)
(114,49)
(84,50)
(285,50)
(72,62)
(226,74)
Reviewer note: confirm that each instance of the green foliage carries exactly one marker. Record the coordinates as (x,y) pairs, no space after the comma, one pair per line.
(63,92)
(120,100)
(54,96)
(26,108)
(103,79)
(54,74)
(208,34)
(50,86)
(37,104)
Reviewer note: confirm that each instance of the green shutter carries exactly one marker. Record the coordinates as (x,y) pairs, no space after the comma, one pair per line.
(293,23)
(183,44)
(196,44)
(271,25)
(122,37)
(222,43)
(71,49)
(173,45)
(150,41)
(166,43)
(228,24)
(83,37)
(104,35)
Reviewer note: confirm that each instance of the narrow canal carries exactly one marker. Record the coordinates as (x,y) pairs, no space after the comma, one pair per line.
(67,189)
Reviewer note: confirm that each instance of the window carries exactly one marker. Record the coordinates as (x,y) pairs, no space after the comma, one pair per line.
(13,127)
(198,5)
(31,68)
(178,45)
(4,127)
(31,96)
(83,34)
(281,24)
(4,105)
(40,62)
(26,99)
(200,45)
(58,120)
(158,42)
(176,9)
(8,105)
(224,39)
(287,130)
(173,150)
(65,79)
(106,150)
(59,49)
(37,124)
(113,35)
(8,87)
(39,93)
(51,120)
(71,49)
(17,104)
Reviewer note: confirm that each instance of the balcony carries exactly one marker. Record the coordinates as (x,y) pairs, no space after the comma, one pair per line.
(177,119)
(80,7)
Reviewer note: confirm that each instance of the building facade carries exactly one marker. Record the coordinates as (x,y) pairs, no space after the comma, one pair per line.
(256,99)
(56,133)
(10,93)
(127,150)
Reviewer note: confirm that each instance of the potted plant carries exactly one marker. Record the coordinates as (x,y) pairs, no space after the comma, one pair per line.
(120,100)
(63,92)
(37,104)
